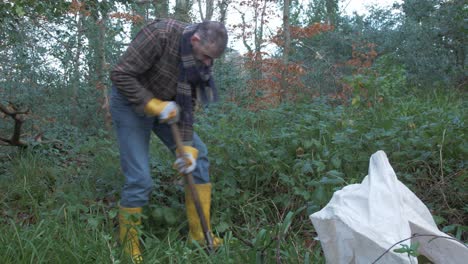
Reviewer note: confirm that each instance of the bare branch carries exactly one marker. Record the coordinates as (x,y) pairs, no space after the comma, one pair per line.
(201,10)
(244,40)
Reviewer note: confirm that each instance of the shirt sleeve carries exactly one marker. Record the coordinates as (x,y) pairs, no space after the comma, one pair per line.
(140,55)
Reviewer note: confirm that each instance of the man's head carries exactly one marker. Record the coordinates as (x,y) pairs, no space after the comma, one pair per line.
(209,41)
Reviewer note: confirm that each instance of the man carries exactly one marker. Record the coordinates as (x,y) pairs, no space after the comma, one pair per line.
(165,68)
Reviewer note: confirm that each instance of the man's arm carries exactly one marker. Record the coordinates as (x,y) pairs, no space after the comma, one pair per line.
(140,55)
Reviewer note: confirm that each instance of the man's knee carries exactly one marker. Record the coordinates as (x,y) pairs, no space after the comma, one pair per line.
(201,147)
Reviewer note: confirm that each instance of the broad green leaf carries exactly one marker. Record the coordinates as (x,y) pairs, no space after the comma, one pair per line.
(259,239)
(222,227)
(336,162)
(113,213)
(19,10)
(320,166)
(331,181)
(307,168)
(336,174)
(287,223)
(356,100)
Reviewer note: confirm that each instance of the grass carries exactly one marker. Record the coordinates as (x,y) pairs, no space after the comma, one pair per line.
(271,169)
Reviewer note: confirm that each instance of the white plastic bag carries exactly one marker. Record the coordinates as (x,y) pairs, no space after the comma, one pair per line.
(362,221)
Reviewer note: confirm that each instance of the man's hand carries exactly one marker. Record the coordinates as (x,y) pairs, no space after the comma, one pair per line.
(186,160)
(167,111)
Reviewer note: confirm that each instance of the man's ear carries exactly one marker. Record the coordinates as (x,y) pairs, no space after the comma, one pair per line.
(195,38)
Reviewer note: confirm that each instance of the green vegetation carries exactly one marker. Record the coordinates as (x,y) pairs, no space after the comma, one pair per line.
(280,142)
(271,169)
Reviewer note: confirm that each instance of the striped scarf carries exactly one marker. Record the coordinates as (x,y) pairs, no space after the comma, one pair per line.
(195,82)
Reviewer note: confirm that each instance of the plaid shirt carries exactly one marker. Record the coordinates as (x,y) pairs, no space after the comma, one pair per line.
(150,66)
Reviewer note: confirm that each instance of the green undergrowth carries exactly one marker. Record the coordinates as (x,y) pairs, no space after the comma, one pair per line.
(298,155)
(270,170)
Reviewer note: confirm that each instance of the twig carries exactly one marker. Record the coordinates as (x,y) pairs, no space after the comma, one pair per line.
(201,10)
(37,23)
(248,243)
(112,258)
(442,179)
(244,41)
(278,248)
(418,235)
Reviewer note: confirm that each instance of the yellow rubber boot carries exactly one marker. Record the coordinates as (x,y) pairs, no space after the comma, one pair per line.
(196,229)
(129,222)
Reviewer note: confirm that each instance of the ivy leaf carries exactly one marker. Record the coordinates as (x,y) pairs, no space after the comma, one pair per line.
(331,181)
(307,168)
(222,227)
(320,194)
(320,165)
(113,213)
(336,174)
(170,216)
(356,100)
(93,222)
(336,162)
(308,144)
(19,11)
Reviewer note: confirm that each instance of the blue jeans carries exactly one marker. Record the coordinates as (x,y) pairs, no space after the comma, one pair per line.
(133,135)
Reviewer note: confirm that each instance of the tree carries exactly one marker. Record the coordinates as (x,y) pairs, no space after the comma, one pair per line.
(324,11)
(452,35)
(431,42)
(182,10)
(95,32)
(209,8)
(161,8)
(76,60)
(223,6)
(286,47)
(332,11)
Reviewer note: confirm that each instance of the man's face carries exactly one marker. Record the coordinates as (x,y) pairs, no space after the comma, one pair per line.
(203,53)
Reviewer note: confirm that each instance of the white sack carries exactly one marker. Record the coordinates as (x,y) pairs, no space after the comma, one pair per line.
(362,221)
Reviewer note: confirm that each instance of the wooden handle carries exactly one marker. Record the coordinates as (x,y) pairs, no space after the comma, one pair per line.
(176,135)
(195,196)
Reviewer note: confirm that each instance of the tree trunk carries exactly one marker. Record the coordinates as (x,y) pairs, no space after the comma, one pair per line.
(182,10)
(286,48)
(102,71)
(244,34)
(332,9)
(161,8)
(258,34)
(223,7)
(76,69)
(200,9)
(209,10)
(140,10)
(97,65)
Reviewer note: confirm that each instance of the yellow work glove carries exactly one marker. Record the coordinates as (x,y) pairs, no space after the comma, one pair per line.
(167,111)
(186,159)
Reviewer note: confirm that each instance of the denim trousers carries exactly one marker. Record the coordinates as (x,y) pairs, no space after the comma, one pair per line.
(133,135)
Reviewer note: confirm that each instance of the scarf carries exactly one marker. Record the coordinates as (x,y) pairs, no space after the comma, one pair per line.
(194,82)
